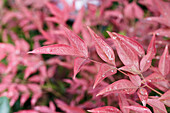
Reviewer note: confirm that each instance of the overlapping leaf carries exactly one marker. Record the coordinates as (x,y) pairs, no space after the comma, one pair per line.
(103,49)
(143,95)
(140,109)
(121,86)
(125,52)
(146,61)
(104,71)
(105,109)
(77,47)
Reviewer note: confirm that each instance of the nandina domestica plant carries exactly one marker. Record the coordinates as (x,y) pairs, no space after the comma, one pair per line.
(99,56)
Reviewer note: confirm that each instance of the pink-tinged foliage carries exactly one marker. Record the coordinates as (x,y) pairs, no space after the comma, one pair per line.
(157,106)
(104,71)
(140,109)
(126,54)
(165,98)
(143,95)
(67,108)
(105,109)
(164,62)
(146,61)
(123,102)
(121,86)
(78,63)
(103,49)
(36,81)
(135,79)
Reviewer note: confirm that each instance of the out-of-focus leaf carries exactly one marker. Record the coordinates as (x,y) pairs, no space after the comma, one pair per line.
(164,62)
(105,109)
(121,86)
(4,105)
(140,109)
(104,71)
(103,49)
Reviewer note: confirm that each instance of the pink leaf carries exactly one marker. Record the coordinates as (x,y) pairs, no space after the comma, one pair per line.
(105,71)
(57,49)
(125,52)
(77,26)
(78,63)
(132,44)
(165,98)
(67,108)
(164,62)
(132,69)
(143,95)
(135,79)
(123,102)
(145,63)
(76,42)
(158,106)
(105,109)
(122,86)
(140,109)
(103,49)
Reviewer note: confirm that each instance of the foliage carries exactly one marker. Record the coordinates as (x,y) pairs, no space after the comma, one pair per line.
(110,57)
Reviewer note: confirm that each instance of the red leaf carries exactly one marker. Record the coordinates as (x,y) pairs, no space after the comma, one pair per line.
(135,79)
(105,71)
(158,106)
(164,62)
(145,63)
(57,49)
(122,86)
(140,109)
(78,63)
(143,95)
(105,109)
(103,49)
(125,52)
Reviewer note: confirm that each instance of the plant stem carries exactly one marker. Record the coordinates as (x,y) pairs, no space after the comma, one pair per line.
(154,90)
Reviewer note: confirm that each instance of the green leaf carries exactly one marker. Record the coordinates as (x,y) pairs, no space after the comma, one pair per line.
(4,105)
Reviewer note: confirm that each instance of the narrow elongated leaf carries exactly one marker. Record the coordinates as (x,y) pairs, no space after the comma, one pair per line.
(105,71)
(57,49)
(143,95)
(105,109)
(135,79)
(146,61)
(126,54)
(103,49)
(164,62)
(122,86)
(78,63)
(140,109)
(76,42)
(134,45)
(158,106)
